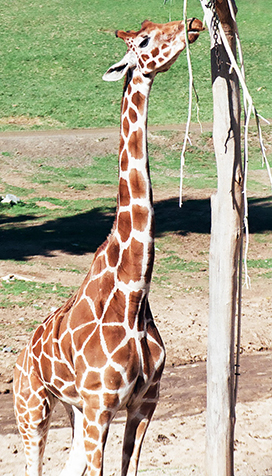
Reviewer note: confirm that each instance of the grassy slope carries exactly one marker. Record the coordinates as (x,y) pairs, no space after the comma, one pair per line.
(53,55)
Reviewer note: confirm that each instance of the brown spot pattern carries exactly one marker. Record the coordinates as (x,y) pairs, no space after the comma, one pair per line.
(139,217)
(81,335)
(70,391)
(132,115)
(110,400)
(94,352)
(89,447)
(97,458)
(135,144)
(116,309)
(33,401)
(151,65)
(142,315)
(124,161)
(99,264)
(99,291)
(150,262)
(47,368)
(138,100)
(124,225)
(137,80)
(92,430)
(137,184)
(133,309)
(113,379)
(80,314)
(121,145)
(104,417)
(155,52)
(126,126)
(124,197)
(80,367)
(128,357)
(61,369)
(131,265)
(125,105)
(37,348)
(113,251)
(113,336)
(66,347)
(93,382)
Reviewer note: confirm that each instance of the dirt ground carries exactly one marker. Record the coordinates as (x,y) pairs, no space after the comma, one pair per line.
(175,442)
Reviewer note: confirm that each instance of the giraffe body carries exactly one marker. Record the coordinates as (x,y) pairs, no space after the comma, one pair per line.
(101,352)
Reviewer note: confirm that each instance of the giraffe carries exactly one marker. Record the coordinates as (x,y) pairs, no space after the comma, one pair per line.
(101,351)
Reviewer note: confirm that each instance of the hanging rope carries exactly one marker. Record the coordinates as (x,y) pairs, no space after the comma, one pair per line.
(190,99)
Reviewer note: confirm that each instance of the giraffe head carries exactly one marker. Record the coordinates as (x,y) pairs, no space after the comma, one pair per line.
(154,48)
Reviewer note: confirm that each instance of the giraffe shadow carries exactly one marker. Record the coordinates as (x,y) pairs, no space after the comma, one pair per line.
(23,236)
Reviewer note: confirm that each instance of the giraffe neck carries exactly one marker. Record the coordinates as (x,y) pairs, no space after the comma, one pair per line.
(135,214)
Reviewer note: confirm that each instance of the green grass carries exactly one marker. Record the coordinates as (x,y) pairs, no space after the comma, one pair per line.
(25,293)
(172,263)
(29,209)
(103,171)
(53,56)
(260,263)
(200,165)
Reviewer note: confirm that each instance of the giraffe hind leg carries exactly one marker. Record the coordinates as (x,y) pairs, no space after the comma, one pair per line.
(33,409)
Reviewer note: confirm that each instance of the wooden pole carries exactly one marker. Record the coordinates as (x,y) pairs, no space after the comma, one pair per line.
(226,233)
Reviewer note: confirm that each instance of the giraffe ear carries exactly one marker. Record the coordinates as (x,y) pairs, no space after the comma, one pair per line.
(118,70)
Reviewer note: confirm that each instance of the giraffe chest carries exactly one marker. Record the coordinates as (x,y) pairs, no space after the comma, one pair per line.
(120,367)
(115,352)
(99,349)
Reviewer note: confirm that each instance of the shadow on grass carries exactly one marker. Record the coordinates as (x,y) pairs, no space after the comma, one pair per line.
(83,233)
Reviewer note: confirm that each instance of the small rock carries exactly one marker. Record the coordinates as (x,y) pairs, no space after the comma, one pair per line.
(7,349)
(163,438)
(11,199)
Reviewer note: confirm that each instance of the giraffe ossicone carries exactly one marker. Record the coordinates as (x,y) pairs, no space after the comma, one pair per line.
(101,351)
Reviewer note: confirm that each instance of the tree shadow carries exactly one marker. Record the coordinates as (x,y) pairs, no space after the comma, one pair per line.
(83,233)
(193,217)
(77,234)
(260,215)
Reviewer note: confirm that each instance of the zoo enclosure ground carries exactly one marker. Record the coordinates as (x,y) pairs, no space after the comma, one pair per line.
(51,239)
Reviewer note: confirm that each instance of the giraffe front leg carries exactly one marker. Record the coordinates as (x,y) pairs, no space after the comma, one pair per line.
(138,419)
(96,424)
(77,462)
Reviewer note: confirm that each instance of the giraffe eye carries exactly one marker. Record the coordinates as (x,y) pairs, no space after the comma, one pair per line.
(145,42)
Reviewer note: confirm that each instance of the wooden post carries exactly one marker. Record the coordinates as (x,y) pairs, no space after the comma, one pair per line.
(226,233)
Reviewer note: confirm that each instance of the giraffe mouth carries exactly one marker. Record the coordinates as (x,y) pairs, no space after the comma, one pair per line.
(194,27)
